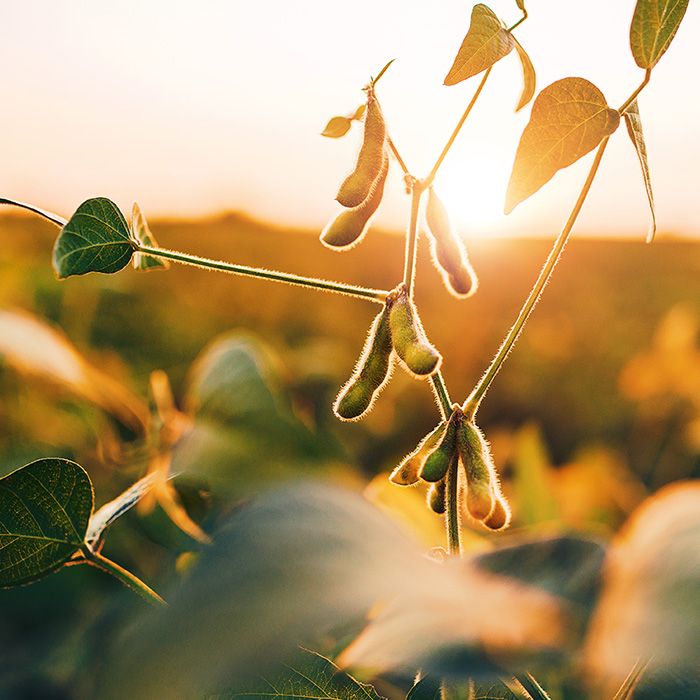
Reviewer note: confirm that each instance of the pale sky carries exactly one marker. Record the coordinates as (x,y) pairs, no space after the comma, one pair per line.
(193,108)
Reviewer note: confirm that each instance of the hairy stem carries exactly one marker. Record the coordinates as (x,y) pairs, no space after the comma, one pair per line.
(471,405)
(126,577)
(440,390)
(397,155)
(376,295)
(53,218)
(431,176)
(454,542)
(633,96)
(409,271)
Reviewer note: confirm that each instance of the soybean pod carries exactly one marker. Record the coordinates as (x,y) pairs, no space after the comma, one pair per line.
(350,225)
(449,254)
(371,373)
(476,459)
(357,186)
(436,496)
(438,461)
(407,472)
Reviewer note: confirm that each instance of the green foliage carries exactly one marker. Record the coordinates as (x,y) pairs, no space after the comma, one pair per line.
(143,236)
(634,128)
(45,508)
(654,24)
(486,42)
(426,688)
(95,239)
(569,119)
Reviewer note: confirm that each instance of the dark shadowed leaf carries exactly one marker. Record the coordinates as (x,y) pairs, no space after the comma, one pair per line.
(529,77)
(486,42)
(142,234)
(654,24)
(650,605)
(569,119)
(634,129)
(310,677)
(495,691)
(427,688)
(44,512)
(337,127)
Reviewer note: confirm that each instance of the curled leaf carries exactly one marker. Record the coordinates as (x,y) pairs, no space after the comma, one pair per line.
(95,239)
(569,119)
(634,129)
(486,42)
(654,24)
(529,77)
(142,234)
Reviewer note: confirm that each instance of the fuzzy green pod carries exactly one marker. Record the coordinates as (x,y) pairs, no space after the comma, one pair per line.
(449,254)
(475,456)
(371,374)
(438,461)
(500,515)
(350,225)
(436,497)
(410,342)
(357,186)
(406,474)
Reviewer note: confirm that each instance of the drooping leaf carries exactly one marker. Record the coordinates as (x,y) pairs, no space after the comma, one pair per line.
(427,688)
(634,129)
(359,112)
(529,77)
(654,24)
(486,42)
(44,512)
(337,127)
(520,4)
(569,119)
(311,677)
(109,512)
(95,239)
(142,234)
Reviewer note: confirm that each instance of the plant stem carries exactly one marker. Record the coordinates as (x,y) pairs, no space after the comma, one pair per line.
(53,218)
(431,176)
(471,405)
(528,683)
(440,391)
(376,295)
(409,271)
(454,543)
(397,155)
(633,96)
(126,577)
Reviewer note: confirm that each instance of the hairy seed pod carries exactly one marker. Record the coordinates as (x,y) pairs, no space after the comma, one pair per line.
(481,476)
(500,515)
(407,472)
(414,350)
(438,461)
(350,225)
(371,374)
(436,497)
(449,254)
(357,186)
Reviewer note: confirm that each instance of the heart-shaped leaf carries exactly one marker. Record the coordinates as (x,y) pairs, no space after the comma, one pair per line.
(654,24)
(95,239)
(634,129)
(45,508)
(487,42)
(529,77)
(569,119)
(142,234)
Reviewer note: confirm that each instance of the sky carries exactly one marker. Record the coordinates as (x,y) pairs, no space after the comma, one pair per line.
(197,108)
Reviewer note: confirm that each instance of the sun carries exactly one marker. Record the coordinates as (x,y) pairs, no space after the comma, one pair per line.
(473,191)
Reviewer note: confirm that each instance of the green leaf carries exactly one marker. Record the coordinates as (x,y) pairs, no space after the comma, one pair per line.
(427,688)
(569,119)
(487,42)
(109,512)
(44,512)
(529,77)
(654,24)
(634,129)
(494,691)
(312,677)
(95,239)
(337,127)
(142,234)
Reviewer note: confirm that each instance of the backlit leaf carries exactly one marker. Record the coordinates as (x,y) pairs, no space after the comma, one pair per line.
(569,119)
(95,239)
(337,127)
(310,678)
(634,129)
(520,4)
(427,688)
(494,691)
(142,234)
(44,512)
(486,42)
(654,24)
(529,77)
